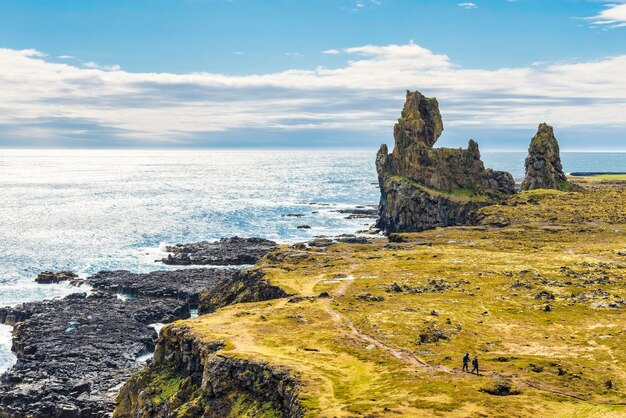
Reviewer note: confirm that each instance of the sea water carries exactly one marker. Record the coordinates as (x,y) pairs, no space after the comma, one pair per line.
(92,210)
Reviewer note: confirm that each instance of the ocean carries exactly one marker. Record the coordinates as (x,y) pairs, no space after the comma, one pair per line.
(92,210)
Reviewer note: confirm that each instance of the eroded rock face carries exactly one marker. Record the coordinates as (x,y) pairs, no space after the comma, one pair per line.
(543,164)
(225,252)
(212,382)
(407,208)
(424,187)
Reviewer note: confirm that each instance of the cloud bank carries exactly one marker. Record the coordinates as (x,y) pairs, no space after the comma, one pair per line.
(42,101)
(613,16)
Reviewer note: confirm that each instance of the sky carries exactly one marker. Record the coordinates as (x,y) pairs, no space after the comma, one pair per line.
(309,73)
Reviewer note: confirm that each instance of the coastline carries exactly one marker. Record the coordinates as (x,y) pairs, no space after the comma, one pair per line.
(322,207)
(394,316)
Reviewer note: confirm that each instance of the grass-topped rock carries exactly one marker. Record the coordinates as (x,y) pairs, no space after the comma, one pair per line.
(424,187)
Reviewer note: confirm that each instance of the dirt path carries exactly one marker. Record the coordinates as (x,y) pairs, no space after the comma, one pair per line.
(397,353)
(410,359)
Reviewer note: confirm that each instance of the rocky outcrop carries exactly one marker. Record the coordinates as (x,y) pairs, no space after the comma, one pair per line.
(408,207)
(208,384)
(48,277)
(244,286)
(543,164)
(225,252)
(74,354)
(180,284)
(424,187)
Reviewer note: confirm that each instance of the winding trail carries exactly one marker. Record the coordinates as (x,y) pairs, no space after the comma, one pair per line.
(403,355)
(412,360)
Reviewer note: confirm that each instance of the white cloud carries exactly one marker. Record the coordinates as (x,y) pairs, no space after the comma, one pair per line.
(48,99)
(613,16)
(112,67)
(331,52)
(468,5)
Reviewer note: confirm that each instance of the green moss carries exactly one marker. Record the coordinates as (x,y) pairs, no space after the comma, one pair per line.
(616,177)
(244,407)
(564,186)
(461,194)
(165,384)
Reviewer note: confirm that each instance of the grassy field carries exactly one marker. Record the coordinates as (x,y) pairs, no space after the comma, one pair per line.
(539,300)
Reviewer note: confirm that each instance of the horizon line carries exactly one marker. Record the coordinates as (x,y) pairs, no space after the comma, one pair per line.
(270,148)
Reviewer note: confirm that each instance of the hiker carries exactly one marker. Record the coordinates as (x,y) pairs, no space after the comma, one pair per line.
(475,364)
(466,360)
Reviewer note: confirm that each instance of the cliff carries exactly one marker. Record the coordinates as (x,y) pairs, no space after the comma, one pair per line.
(190,378)
(424,187)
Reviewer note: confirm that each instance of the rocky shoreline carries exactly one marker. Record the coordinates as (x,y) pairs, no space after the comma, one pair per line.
(77,354)
(74,354)
(211,383)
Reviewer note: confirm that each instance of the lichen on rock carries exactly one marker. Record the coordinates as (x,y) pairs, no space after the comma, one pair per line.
(424,187)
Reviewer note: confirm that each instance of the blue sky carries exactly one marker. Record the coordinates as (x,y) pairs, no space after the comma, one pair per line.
(112,73)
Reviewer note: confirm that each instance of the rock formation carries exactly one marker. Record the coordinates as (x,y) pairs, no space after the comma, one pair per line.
(424,187)
(212,383)
(225,252)
(543,164)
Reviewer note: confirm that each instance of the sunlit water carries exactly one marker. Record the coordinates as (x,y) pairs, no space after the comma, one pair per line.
(92,210)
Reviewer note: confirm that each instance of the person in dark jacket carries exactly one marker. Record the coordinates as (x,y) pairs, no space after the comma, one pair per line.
(475,364)
(466,361)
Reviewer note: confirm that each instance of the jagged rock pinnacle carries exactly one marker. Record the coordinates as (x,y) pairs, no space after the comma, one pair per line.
(419,123)
(543,164)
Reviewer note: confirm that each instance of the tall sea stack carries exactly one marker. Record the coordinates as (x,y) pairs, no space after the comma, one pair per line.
(424,187)
(543,164)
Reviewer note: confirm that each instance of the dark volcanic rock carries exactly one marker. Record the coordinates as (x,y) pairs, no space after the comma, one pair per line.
(406,208)
(424,187)
(225,252)
(543,164)
(75,353)
(180,284)
(48,277)
(243,286)
(359,213)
